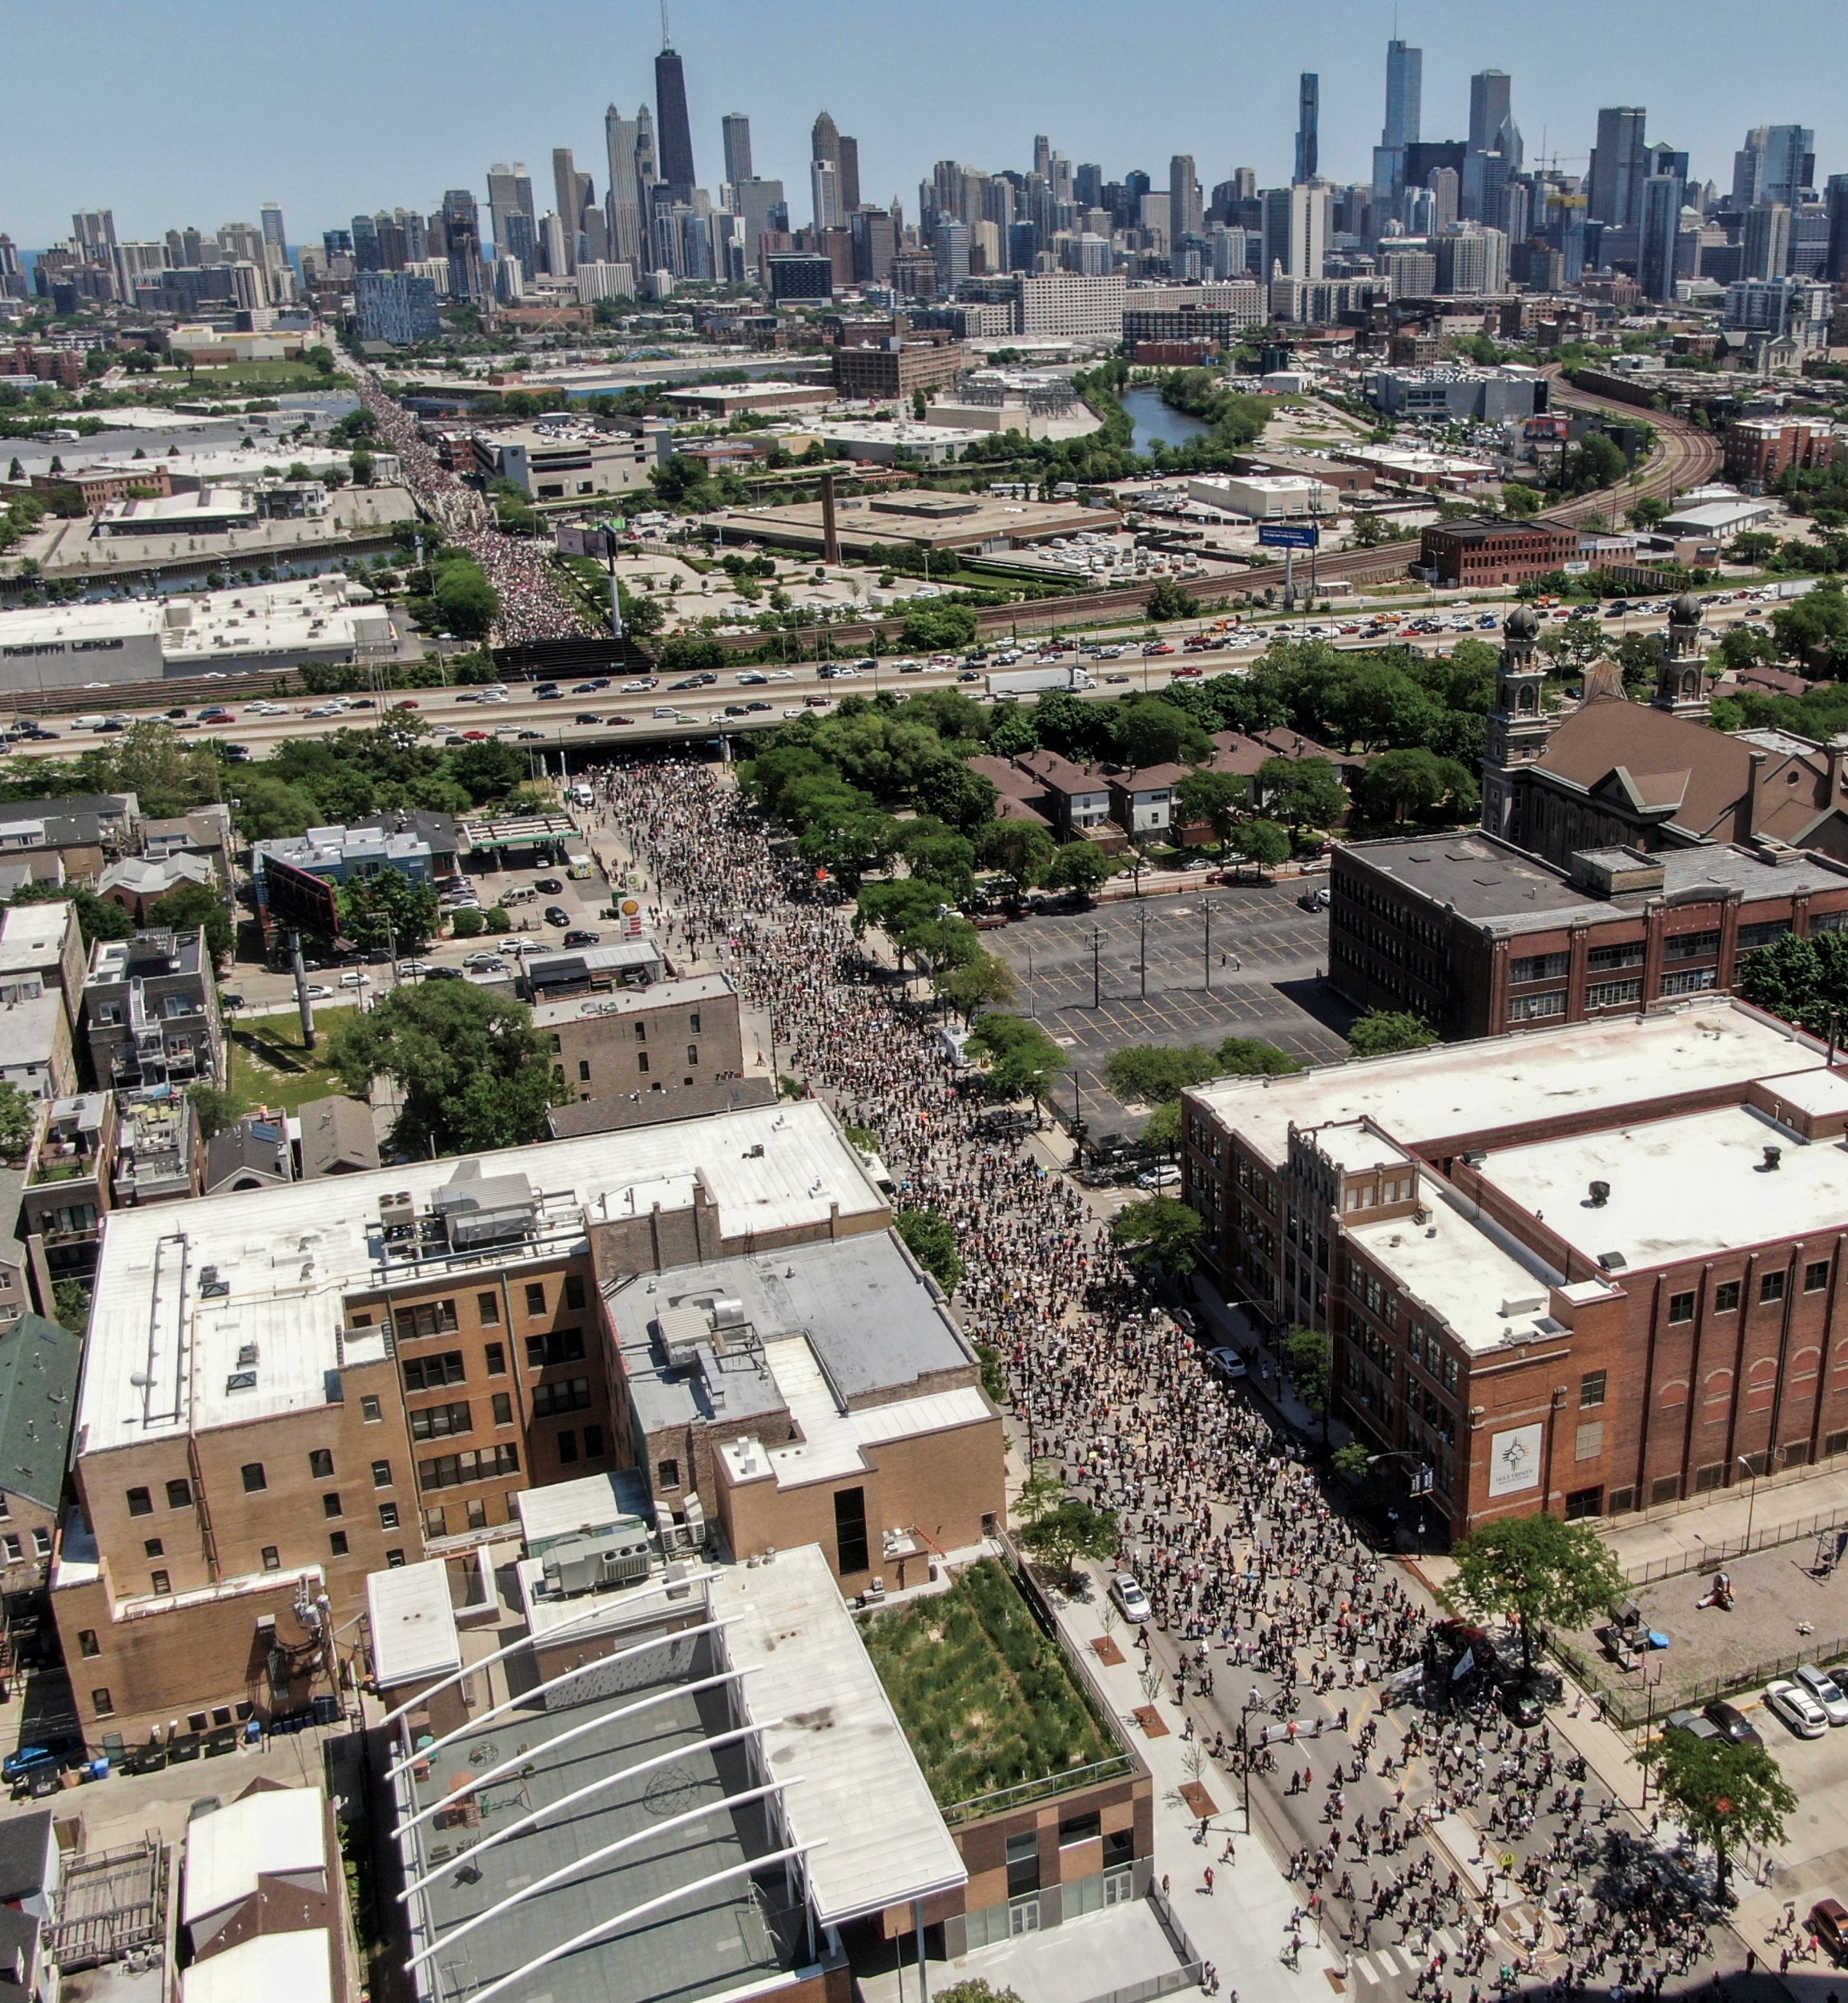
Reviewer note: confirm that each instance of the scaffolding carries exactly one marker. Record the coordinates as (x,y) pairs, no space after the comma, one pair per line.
(111,1906)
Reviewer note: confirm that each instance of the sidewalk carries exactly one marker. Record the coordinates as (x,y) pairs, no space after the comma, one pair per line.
(1774,1510)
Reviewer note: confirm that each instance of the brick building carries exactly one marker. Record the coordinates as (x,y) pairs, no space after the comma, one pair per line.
(1592,1275)
(898,368)
(1759,449)
(1481,553)
(658,1039)
(1478,937)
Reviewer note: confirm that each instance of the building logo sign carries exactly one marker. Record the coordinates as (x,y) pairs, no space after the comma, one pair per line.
(1514,1461)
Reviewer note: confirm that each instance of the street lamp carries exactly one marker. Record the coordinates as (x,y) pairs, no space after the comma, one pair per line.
(1746,1461)
(1204,909)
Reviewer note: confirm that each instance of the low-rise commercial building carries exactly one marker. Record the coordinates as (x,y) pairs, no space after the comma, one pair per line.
(720,399)
(1452,395)
(39,1364)
(893,370)
(1589,1273)
(654,1041)
(560,463)
(1485,553)
(1262,497)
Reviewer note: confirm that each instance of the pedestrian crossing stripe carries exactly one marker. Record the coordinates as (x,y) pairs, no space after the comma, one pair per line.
(1394,1964)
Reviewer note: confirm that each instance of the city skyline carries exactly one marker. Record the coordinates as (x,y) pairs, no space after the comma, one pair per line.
(780,65)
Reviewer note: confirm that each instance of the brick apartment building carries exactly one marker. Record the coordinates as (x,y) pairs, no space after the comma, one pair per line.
(1592,1273)
(1759,449)
(1477,937)
(656,1040)
(288,1388)
(1481,553)
(894,370)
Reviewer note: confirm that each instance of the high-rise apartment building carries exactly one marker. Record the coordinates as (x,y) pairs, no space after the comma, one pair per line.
(850,197)
(511,196)
(676,129)
(1835,201)
(1308,115)
(274,236)
(1776,163)
(824,192)
(1765,242)
(736,128)
(1660,235)
(1295,231)
(1186,212)
(1614,192)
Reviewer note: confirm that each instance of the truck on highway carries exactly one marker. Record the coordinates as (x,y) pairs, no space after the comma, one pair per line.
(1038,681)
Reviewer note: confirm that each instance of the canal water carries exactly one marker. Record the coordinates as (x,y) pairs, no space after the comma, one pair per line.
(1156,422)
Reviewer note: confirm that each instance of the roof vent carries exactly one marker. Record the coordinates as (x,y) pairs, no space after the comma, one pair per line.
(1612,1261)
(1774,1159)
(1601,1194)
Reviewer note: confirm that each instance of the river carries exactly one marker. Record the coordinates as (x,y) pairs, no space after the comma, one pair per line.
(1156,422)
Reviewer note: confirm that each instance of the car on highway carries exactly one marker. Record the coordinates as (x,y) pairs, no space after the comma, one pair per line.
(911,667)
(1128,1595)
(641,685)
(216,713)
(528,736)
(736,709)
(556,914)
(757,706)
(407,705)
(584,688)
(551,694)
(752,677)
(475,737)
(1796,1708)
(548,886)
(1165,1175)
(454,737)
(618,719)
(586,716)
(1228,1363)
(780,674)
(1157,646)
(412,969)
(1733,1723)
(686,681)
(1825,1691)
(579,937)
(794,712)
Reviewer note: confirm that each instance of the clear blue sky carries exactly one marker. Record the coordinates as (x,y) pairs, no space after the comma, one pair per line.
(195,111)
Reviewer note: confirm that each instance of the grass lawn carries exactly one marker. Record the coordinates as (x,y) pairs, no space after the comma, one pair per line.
(269,1066)
(986,1700)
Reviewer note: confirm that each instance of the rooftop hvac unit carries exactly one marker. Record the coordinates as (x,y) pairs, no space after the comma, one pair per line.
(587,1564)
(398,1212)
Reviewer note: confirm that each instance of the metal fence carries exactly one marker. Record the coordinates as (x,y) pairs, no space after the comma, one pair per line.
(1632,1709)
(1711,1556)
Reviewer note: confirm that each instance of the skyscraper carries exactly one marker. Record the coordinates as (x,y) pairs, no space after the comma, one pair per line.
(273,233)
(510,194)
(736,128)
(1790,164)
(573,190)
(1404,93)
(824,140)
(1619,166)
(824,189)
(1186,216)
(1308,106)
(1765,251)
(849,174)
(676,129)
(623,199)
(1835,197)
(1295,231)
(1490,93)
(1659,234)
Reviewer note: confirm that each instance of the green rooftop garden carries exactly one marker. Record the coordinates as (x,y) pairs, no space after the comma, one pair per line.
(987,1699)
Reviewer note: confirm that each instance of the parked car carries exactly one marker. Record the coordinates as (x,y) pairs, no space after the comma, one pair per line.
(556,914)
(1692,1722)
(1129,1596)
(579,937)
(1228,1362)
(318,992)
(485,963)
(1164,1175)
(548,886)
(1829,1922)
(1825,1691)
(1797,1709)
(353,978)
(50,1755)
(1733,1724)
(444,973)
(412,969)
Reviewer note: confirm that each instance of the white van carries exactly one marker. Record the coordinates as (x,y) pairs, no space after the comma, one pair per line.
(581,796)
(521,894)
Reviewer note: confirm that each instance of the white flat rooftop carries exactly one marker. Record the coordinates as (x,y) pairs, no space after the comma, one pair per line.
(161,1359)
(862,1793)
(281,1830)
(1452,1090)
(299,1966)
(686,993)
(413,1623)
(1680,1189)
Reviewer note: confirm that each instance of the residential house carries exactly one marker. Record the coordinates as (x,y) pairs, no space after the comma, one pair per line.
(40,1364)
(151,1012)
(336,1138)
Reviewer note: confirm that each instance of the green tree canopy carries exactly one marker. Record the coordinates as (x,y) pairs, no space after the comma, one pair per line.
(190,907)
(472,1070)
(386,908)
(982,982)
(1302,792)
(1310,1353)
(18,1121)
(1019,849)
(1023,1061)
(1152,731)
(931,1239)
(214,1108)
(1536,1571)
(1723,1795)
(1399,784)
(1074,1530)
(1381,1031)
(1160,1231)
(1803,981)
(467,603)
(1153,1072)
(1170,599)
(1263,844)
(1216,799)
(1081,866)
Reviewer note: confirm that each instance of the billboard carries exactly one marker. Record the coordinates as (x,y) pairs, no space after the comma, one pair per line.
(298,900)
(1288,535)
(600,542)
(1514,1461)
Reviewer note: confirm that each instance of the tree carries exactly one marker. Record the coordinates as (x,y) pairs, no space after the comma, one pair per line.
(467,603)
(269,808)
(1647,512)
(900,908)
(1814,626)
(1081,866)
(168,776)
(1521,501)
(1743,647)
(932,1240)
(1154,733)
(1352,1461)
(1302,792)
(1310,1354)
(467,925)
(1263,844)
(1162,1130)
(938,627)
(1160,1231)
(18,1121)
(1400,783)
(386,908)
(1535,1570)
(213,1108)
(1074,1529)
(1019,849)
(1023,1060)
(1803,981)
(1381,1031)
(936,857)
(1216,799)
(190,907)
(1248,1056)
(1156,1072)
(472,1070)
(950,791)
(983,982)
(1170,599)
(976,1991)
(1723,1795)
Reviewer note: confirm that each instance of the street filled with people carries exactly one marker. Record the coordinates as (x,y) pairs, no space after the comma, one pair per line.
(533,607)
(1436,1846)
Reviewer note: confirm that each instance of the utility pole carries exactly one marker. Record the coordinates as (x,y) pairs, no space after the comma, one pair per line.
(1206,946)
(1142,951)
(1096,991)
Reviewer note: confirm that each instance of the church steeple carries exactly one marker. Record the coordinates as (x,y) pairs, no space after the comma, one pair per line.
(1682,673)
(1518,725)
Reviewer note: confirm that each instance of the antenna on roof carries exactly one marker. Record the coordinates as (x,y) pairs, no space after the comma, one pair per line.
(666,39)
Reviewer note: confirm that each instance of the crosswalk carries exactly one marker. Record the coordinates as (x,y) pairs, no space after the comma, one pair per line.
(1380,1966)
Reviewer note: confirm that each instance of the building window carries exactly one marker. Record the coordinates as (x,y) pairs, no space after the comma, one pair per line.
(1770,1288)
(641,1063)
(432,1318)
(1601,959)
(1681,1308)
(153,1548)
(570,1394)
(337,1543)
(1536,1008)
(1692,946)
(86,1642)
(1584,1502)
(141,1501)
(1726,1297)
(1610,994)
(254,1480)
(584,1070)
(574,1290)
(431,1373)
(666,1474)
(272,1559)
(387,1515)
(436,1523)
(850,1531)
(503,1408)
(495,1355)
(1763,935)
(488,1310)
(692,1053)
(535,1297)
(1544,967)
(14,1549)
(1696,981)
(331,1504)
(42,1542)
(321,1465)
(102,1703)
(593,1443)
(479,1464)
(563,1345)
(371,1411)
(160,1582)
(1816,1276)
(1592,1388)
(693,1023)
(1023,1855)
(179,1495)
(567,1447)
(381,1474)
(438,1422)
(394,1560)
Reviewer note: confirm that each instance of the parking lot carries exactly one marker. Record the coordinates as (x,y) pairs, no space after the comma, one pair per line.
(1235,960)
